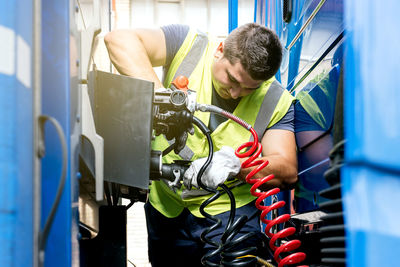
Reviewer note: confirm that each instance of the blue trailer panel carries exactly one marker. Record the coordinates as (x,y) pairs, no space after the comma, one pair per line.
(16,131)
(371,180)
(59,86)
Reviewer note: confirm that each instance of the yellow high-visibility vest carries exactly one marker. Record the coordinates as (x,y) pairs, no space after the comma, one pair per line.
(194,59)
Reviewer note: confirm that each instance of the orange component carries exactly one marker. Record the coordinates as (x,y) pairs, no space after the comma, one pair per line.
(181,83)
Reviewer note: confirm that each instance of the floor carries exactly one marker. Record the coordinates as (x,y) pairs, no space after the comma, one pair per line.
(137,237)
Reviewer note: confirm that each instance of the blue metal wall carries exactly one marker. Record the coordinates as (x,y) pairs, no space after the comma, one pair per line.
(371,182)
(16,131)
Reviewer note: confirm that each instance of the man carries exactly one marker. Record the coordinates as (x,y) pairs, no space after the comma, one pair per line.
(235,75)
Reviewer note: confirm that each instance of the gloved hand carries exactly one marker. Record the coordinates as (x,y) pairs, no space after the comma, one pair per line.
(224,165)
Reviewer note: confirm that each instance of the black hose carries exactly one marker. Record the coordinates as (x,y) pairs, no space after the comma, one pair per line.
(204,260)
(227,249)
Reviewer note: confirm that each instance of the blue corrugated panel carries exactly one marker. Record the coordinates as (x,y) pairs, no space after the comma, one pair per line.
(372,178)
(16,147)
(372,219)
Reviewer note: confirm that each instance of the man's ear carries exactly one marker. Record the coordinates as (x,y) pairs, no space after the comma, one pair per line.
(219,53)
(221,46)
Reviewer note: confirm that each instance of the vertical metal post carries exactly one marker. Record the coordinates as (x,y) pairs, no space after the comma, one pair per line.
(109,14)
(37,75)
(109,25)
(233,14)
(255,11)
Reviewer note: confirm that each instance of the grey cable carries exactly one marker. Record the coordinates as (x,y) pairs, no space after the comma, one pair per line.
(46,229)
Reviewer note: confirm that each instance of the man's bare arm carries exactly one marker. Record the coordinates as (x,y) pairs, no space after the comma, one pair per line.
(135,52)
(279,148)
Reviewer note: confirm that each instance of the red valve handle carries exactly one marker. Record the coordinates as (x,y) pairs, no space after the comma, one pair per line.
(181,82)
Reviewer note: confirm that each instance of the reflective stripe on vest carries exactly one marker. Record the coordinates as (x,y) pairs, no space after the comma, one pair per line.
(192,58)
(268,106)
(186,68)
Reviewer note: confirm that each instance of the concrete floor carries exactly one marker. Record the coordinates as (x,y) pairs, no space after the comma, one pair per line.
(137,236)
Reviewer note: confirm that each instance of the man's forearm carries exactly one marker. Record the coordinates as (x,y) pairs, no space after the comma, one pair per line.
(285,175)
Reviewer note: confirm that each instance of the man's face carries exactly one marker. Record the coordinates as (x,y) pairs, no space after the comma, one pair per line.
(231,80)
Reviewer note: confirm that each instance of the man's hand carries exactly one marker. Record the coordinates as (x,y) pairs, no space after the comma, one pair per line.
(224,165)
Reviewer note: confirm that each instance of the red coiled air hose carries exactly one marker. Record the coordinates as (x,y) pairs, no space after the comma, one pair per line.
(253,153)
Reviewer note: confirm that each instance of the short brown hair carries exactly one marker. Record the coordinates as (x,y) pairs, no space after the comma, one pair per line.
(257,48)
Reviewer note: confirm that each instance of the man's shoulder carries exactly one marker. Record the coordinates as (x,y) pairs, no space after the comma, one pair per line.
(175,29)
(175,35)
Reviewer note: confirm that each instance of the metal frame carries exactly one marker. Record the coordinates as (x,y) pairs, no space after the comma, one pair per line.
(37,91)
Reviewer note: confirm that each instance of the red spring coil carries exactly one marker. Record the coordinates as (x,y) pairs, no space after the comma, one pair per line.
(254,151)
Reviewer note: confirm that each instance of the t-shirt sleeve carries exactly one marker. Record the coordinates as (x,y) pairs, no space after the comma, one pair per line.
(174,34)
(287,122)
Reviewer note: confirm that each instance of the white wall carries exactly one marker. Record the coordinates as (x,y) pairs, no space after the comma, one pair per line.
(207,15)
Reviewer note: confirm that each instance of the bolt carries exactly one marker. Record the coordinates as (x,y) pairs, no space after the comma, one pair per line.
(78,175)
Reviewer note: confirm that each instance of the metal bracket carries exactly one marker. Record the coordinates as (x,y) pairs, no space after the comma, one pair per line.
(88,39)
(89,131)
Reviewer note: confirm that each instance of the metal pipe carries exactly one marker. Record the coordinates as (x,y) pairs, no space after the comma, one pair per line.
(37,83)
(233,14)
(305,25)
(109,25)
